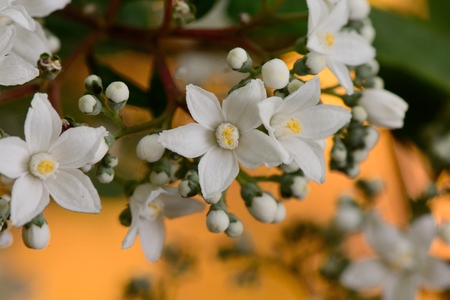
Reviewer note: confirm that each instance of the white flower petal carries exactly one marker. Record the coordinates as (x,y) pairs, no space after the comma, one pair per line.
(191,140)
(308,155)
(28,196)
(176,206)
(240,107)
(435,273)
(14,70)
(204,107)
(153,234)
(400,287)
(77,146)
(337,18)
(256,148)
(42,125)
(130,237)
(42,8)
(19,14)
(364,274)
(31,44)
(7,35)
(217,170)
(317,12)
(342,74)
(321,121)
(381,236)
(352,49)
(422,233)
(14,157)
(308,95)
(267,108)
(74,191)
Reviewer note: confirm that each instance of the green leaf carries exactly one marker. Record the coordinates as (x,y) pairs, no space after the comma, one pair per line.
(157,95)
(202,7)
(137,13)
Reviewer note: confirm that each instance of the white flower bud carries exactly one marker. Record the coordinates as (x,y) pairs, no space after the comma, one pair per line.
(359,114)
(291,168)
(117,92)
(236,58)
(294,85)
(299,187)
(149,148)
(183,188)
(6,238)
(348,218)
(214,199)
(374,66)
(235,229)
(354,171)
(359,9)
(339,153)
(444,232)
(110,160)
(105,174)
(371,138)
(86,168)
(315,62)
(36,237)
(160,179)
(263,208)
(367,31)
(89,82)
(275,73)
(280,215)
(360,155)
(217,221)
(378,83)
(89,105)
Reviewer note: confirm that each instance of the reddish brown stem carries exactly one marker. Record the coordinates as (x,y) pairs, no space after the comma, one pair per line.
(18,93)
(165,26)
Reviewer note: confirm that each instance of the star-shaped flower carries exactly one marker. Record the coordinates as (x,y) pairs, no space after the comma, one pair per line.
(296,122)
(149,205)
(47,163)
(404,264)
(340,48)
(224,136)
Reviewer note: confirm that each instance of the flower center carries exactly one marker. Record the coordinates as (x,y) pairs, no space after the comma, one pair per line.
(43,165)
(153,209)
(285,126)
(227,136)
(403,256)
(329,38)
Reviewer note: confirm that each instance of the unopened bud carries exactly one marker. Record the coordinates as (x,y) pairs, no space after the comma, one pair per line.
(214,199)
(275,73)
(117,93)
(235,228)
(6,238)
(217,221)
(49,66)
(353,170)
(125,217)
(34,236)
(149,148)
(93,84)
(263,208)
(89,105)
(291,168)
(371,138)
(359,114)
(161,178)
(105,174)
(183,13)
(239,60)
(110,160)
(359,9)
(339,152)
(280,215)
(360,155)
(300,187)
(294,85)
(348,218)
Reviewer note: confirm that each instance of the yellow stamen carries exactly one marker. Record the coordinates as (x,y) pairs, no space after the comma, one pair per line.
(294,126)
(227,135)
(46,167)
(330,39)
(156,207)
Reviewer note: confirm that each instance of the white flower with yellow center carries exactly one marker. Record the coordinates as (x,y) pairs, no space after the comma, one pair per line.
(404,264)
(339,48)
(296,123)
(47,164)
(224,136)
(149,204)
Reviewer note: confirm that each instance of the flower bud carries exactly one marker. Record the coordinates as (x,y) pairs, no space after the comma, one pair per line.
(371,138)
(300,45)
(339,152)
(375,83)
(294,85)
(353,170)
(235,228)
(125,217)
(360,155)
(263,208)
(299,187)
(105,174)
(275,73)
(214,199)
(239,60)
(182,12)
(93,84)
(444,232)
(291,168)
(280,215)
(110,160)
(6,238)
(188,188)
(348,218)
(359,9)
(217,221)
(49,66)
(149,148)
(89,105)
(359,114)
(249,191)
(368,31)
(34,236)
(86,168)
(161,178)
(117,94)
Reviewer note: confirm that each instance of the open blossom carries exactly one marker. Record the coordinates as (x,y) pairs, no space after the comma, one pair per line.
(339,48)
(404,264)
(47,163)
(297,122)
(224,136)
(149,204)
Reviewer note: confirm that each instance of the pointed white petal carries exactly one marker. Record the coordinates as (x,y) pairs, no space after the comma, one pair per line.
(176,206)
(31,44)
(317,12)
(364,274)
(153,234)
(337,18)
(400,287)
(204,107)
(267,109)
(19,14)
(422,233)
(352,49)
(308,95)
(130,237)
(240,107)
(342,74)
(74,191)
(42,8)
(42,125)
(27,198)
(77,146)
(321,121)
(381,235)
(308,155)
(7,35)
(435,273)
(217,170)
(14,70)
(14,157)
(191,140)
(256,148)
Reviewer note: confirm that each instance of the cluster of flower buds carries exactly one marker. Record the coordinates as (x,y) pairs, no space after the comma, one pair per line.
(293,182)
(219,220)
(262,205)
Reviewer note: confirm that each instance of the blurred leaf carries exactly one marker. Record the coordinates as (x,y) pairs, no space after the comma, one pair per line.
(136,13)
(202,7)
(157,95)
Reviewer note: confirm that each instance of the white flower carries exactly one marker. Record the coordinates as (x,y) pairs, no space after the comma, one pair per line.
(47,163)
(384,108)
(17,14)
(35,237)
(149,205)
(42,8)
(339,48)
(296,122)
(224,136)
(13,70)
(404,264)
(275,73)
(359,9)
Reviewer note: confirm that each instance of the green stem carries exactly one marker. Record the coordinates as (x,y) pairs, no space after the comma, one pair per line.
(273,178)
(144,126)
(244,178)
